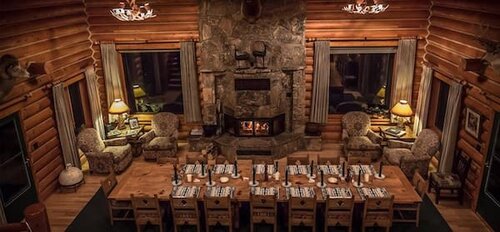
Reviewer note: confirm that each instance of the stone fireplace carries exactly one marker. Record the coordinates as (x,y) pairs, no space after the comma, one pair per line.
(259,107)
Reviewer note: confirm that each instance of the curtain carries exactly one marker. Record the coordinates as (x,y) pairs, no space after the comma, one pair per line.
(450,127)
(95,102)
(111,72)
(424,94)
(405,61)
(321,82)
(189,78)
(65,127)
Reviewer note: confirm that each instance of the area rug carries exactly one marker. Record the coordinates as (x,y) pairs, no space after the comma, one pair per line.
(95,217)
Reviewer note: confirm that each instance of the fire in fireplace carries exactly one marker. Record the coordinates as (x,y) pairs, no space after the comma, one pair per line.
(253,127)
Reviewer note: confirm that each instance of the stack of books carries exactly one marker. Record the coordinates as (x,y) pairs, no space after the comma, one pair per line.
(395,131)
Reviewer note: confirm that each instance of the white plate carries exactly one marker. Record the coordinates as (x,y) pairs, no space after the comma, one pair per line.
(332,180)
(224,179)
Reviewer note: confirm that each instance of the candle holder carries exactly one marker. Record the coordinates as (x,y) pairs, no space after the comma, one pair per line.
(355,184)
(202,176)
(176,183)
(379,177)
(286,185)
(253,183)
(210,184)
(235,176)
(310,176)
(321,185)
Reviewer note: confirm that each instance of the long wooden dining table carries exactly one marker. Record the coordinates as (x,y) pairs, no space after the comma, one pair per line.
(147,179)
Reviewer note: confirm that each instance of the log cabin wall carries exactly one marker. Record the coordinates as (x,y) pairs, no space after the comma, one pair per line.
(176,21)
(326,21)
(54,32)
(454,26)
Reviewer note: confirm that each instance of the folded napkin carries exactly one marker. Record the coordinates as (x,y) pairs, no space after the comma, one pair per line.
(329,169)
(367,192)
(223,168)
(305,192)
(298,169)
(259,168)
(192,168)
(337,192)
(219,191)
(265,191)
(185,191)
(364,169)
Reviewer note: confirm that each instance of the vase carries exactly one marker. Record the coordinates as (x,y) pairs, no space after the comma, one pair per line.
(70,176)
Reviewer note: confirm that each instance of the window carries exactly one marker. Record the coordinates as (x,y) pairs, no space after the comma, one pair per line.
(438,104)
(153,81)
(360,79)
(79,104)
(442,104)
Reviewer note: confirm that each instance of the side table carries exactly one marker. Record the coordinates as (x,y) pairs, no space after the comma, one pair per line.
(132,136)
(198,143)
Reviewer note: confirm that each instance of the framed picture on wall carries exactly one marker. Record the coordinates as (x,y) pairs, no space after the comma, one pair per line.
(472,122)
(133,122)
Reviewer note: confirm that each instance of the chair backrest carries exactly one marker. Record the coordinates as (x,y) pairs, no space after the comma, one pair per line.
(109,183)
(419,183)
(339,211)
(378,211)
(302,211)
(195,158)
(324,159)
(164,124)
(218,210)
(294,160)
(185,211)
(146,210)
(461,165)
(427,143)
(356,123)
(89,140)
(263,209)
(359,160)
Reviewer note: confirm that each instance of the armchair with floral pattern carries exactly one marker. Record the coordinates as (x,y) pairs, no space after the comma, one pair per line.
(160,143)
(357,136)
(413,156)
(104,154)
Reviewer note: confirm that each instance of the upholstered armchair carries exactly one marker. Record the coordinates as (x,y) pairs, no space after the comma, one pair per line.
(358,138)
(160,143)
(104,154)
(413,156)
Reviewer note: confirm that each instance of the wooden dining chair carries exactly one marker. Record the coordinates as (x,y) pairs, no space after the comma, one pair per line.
(195,158)
(185,212)
(419,183)
(324,159)
(359,160)
(118,210)
(302,212)
(147,211)
(378,212)
(263,210)
(292,160)
(338,212)
(218,212)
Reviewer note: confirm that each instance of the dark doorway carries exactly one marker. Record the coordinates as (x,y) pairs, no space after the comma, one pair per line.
(17,189)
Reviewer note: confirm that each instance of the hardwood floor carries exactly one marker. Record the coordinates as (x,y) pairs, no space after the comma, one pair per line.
(62,208)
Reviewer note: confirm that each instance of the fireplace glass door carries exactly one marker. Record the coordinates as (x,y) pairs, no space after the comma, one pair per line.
(246,128)
(250,127)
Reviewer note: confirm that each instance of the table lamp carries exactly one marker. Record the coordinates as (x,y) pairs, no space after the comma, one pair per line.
(402,109)
(381,95)
(119,107)
(138,91)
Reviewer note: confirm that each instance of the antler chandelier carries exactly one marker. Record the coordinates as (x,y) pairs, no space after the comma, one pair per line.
(133,12)
(363,7)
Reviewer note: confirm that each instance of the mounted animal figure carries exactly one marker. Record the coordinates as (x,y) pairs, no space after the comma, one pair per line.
(492,56)
(10,71)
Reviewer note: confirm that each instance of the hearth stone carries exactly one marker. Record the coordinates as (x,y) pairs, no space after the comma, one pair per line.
(272,147)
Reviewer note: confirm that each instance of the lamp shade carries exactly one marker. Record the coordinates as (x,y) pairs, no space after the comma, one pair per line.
(402,109)
(118,107)
(138,91)
(381,92)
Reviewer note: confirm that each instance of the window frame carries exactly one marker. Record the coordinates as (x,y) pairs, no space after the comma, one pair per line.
(366,47)
(436,82)
(85,102)
(124,49)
